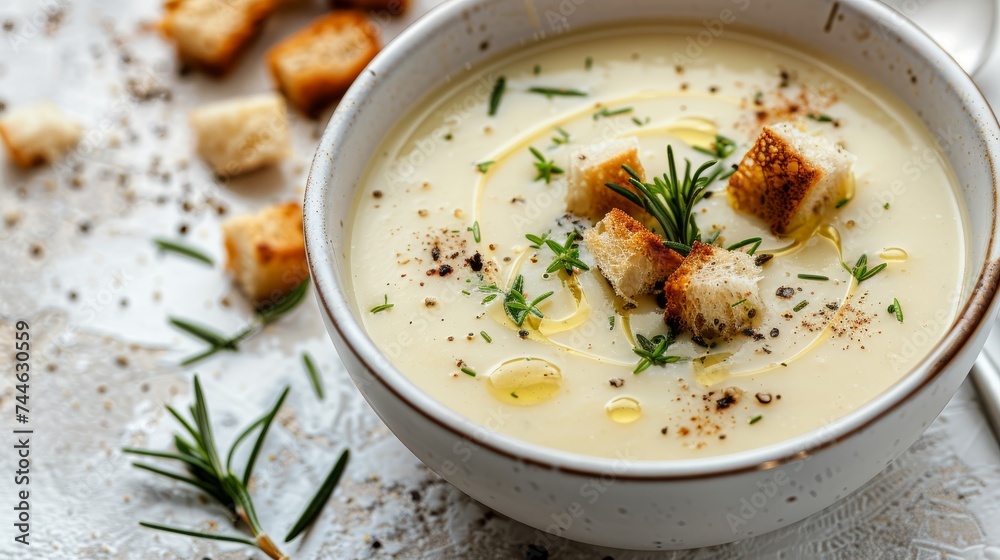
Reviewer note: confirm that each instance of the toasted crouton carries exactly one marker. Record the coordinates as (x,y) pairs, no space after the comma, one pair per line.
(713,293)
(592,167)
(316,65)
(394,7)
(242,134)
(631,257)
(791,178)
(37,134)
(210,34)
(266,252)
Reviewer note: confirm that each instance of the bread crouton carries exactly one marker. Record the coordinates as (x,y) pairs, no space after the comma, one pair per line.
(591,167)
(791,178)
(317,64)
(242,134)
(210,34)
(266,252)
(37,134)
(713,293)
(631,257)
(394,7)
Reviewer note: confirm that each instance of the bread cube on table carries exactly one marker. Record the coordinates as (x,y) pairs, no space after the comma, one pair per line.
(242,134)
(790,178)
(714,293)
(316,65)
(37,134)
(266,252)
(211,34)
(631,257)
(592,167)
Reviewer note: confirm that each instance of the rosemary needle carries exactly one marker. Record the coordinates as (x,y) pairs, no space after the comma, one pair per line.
(384,306)
(198,534)
(553,92)
(185,250)
(497,94)
(314,376)
(813,277)
(315,506)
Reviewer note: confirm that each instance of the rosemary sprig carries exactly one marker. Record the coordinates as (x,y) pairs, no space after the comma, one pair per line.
(670,200)
(218,342)
(860,270)
(208,474)
(515,304)
(562,138)
(314,377)
(754,241)
(484,166)
(721,149)
(546,167)
(185,250)
(605,112)
(550,92)
(567,254)
(497,94)
(896,309)
(385,305)
(653,351)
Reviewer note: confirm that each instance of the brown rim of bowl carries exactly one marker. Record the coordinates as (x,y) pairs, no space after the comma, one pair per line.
(968,323)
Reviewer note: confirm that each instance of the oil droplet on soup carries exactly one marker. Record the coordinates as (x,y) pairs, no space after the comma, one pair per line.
(623,410)
(893,254)
(525,381)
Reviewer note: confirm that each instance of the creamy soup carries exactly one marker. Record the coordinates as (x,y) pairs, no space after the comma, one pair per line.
(447,201)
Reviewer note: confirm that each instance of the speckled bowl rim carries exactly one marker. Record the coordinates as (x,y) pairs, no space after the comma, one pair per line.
(331,295)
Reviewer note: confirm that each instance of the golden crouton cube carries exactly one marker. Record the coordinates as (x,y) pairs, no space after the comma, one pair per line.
(211,34)
(592,167)
(242,134)
(266,252)
(316,65)
(790,178)
(37,134)
(714,293)
(631,257)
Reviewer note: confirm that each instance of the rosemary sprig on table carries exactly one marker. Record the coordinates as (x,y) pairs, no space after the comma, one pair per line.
(197,450)
(669,199)
(546,167)
(515,304)
(567,254)
(218,342)
(860,270)
(184,250)
(554,92)
(653,352)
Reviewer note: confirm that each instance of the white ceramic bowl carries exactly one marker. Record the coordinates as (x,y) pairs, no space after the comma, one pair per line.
(658,504)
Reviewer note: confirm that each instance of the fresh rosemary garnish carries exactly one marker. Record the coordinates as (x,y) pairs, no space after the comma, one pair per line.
(207,472)
(562,138)
(546,167)
(538,69)
(819,117)
(640,122)
(567,254)
(712,237)
(896,309)
(800,306)
(218,342)
(385,305)
(860,270)
(885,206)
(483,167)
(185,250)
(475,231)
(486,337)
(653,351)
(468,372)
(515,304)
(842,202)
(755,241)
(739,302)
(611,323)
(314,377)
(722,147)
(605,112)
(553,92)
(497,94)
(670,200)
(756,419)
(588,63)
(813,277)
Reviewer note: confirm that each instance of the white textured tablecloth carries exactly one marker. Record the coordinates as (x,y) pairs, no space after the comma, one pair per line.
(77,263)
